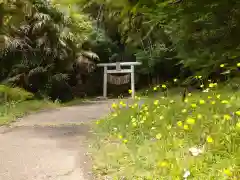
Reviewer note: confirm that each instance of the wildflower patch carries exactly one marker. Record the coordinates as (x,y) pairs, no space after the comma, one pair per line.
(164,138)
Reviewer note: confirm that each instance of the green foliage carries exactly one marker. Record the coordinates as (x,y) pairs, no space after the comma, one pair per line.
(186,38)
(10,111)
(40,43)
(40,39)
(16,94)
(153,138)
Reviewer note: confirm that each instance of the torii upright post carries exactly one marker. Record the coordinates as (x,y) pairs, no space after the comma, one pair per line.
(118,69)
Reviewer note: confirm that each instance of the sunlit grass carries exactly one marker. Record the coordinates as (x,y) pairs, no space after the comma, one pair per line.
(164,138)
(11,110)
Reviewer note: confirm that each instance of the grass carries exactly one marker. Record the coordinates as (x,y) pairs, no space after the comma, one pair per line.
(154,138)
(10,111)
(74,102)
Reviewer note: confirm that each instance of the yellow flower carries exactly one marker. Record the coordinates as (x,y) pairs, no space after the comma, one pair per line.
(122,104)
(211,85)
(164,86)
(237,113)
(120,137)
(158,136)
(238,125)
(201,101)
(186,100)
(130,91)
(97,122)
(134,106)
(227,117)
(175,80)
(218,96)
(186,127)
(238,64)
(209,139)
(161,117)
(227,172)
(179,123)
(190,121)
(199,116)
(209,97)
(146,108)
(213,102)
(222,65)
(193,105)
(163,164)
(225,102)
(155,88)
(125,141)
(156,102)
(114,105)
(134,124)
(184,111)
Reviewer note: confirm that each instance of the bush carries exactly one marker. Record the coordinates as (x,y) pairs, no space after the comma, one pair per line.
(14,94)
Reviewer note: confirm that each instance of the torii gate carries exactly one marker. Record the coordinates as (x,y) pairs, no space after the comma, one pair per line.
(118,70)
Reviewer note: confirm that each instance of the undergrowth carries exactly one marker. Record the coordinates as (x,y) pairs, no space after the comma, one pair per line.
(16,102)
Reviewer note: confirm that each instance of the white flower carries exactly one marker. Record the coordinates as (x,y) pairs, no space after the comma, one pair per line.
(172,101)
(195,151)
(161,117)
(206,90)
(186,174)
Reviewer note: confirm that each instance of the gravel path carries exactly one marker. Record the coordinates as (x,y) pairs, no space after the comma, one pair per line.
(49,145)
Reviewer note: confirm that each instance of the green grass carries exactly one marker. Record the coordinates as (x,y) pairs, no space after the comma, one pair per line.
(153,141)
(10,111)
(75,102)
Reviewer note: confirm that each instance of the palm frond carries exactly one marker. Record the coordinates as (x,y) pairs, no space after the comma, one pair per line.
(41,17)
(60,77)
(38,26)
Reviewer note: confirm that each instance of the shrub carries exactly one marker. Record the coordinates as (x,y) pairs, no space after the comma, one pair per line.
(14,94)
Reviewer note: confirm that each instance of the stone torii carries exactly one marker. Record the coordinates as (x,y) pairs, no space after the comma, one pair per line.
(118,70)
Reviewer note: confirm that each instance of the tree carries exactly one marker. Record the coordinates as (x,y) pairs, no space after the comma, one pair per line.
(39,52)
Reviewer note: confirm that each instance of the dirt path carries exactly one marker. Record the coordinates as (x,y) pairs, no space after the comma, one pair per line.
(49,145)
